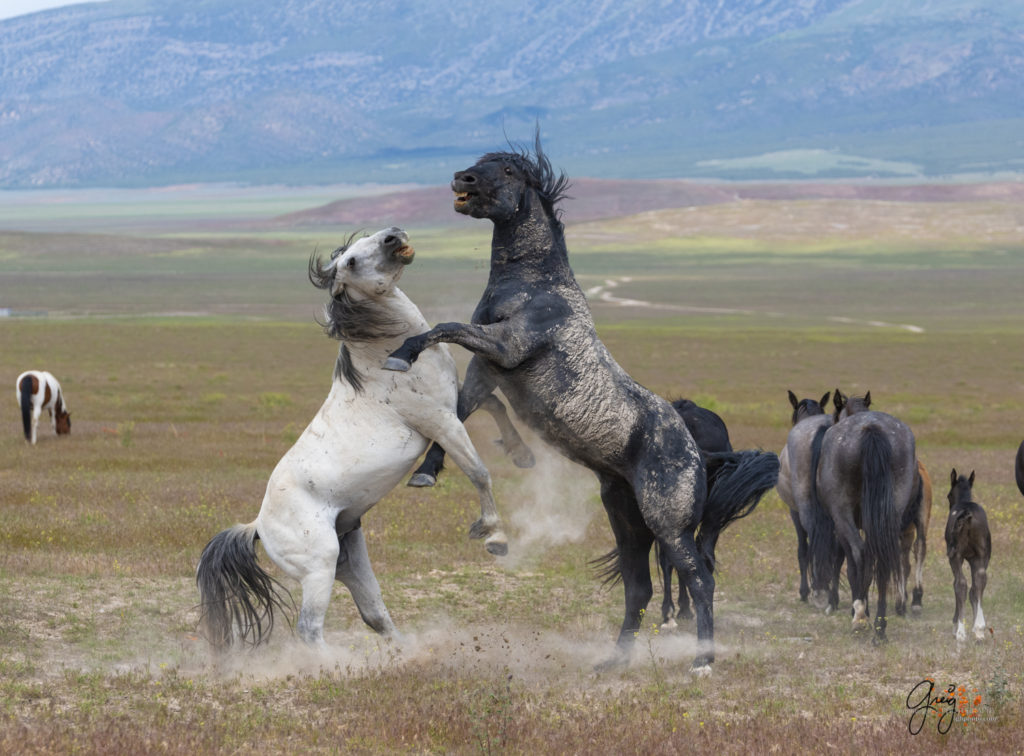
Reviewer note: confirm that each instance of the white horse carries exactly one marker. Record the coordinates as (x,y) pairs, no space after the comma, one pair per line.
(36,391)
(369,432)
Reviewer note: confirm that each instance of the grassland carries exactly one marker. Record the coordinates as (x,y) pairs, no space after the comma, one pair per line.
(191,361)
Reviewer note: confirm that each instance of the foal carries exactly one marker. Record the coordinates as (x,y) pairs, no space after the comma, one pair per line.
(38,390)
(967,537)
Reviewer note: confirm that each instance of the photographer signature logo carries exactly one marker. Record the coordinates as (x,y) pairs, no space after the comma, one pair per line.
(948,704)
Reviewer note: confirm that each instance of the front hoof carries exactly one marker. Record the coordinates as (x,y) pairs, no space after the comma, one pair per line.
(397,364)
(915,609)
(979,634)
(497,545)
(669,625)
(422,480)
(819,599)
(703,671)
(524,459)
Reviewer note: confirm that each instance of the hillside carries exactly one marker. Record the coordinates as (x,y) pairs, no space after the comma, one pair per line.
(140,92)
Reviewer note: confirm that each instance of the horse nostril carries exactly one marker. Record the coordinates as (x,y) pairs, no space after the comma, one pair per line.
(389,240)
(466,178)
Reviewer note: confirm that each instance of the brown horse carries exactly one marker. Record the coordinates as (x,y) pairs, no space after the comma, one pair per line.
(915,538)
(967,538)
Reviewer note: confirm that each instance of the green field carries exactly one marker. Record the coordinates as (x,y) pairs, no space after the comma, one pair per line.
(191,360)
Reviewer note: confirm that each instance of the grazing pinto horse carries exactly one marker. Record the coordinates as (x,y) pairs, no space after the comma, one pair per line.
(797,487)
(533,336)
(38,390)
(868,480)
(967,538)
(366,437)
(711,435)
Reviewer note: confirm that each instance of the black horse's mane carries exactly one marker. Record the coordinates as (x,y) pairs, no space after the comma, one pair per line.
(540,176)
(349,319)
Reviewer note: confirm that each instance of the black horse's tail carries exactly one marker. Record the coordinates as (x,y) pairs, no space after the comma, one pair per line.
(235,592)
(821,531)
(25,391)
(879,517)
(736,483)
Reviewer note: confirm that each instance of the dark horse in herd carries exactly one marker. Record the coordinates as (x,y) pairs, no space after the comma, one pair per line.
(532,335)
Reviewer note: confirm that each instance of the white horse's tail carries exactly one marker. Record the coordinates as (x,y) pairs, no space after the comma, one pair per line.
(25,394)
(235,592)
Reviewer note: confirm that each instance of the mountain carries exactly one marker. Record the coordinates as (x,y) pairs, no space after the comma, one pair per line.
(133,92)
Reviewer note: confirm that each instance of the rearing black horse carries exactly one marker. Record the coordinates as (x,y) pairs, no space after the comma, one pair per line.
(533,336)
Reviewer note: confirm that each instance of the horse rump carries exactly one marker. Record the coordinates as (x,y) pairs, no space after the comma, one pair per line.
(25,391)
(236,592)
(736,483)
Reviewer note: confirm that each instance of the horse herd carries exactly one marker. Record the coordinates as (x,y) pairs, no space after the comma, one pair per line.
(669,477)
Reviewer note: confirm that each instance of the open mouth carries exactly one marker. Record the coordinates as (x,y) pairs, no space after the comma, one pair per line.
(405,253)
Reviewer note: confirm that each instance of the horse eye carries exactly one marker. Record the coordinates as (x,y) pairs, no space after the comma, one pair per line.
(508,170)
(351,262)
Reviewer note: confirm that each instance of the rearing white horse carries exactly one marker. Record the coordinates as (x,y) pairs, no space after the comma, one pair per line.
(369,432)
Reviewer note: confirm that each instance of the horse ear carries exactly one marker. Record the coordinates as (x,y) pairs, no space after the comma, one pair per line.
(837,400)
(824,400)
(971,479)
(952,477)
(793,399)
(867,399)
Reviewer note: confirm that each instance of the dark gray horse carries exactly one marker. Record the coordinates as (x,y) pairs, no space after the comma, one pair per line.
(797,487)
(532,335)
(1019,467)
(712,436)
(967,539)
(868,480)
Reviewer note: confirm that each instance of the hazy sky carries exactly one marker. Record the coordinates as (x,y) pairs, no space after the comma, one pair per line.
(10,8)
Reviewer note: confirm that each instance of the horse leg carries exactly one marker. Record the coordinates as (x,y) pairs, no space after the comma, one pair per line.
(857,570)
(801,554)
(920,549)
(906,545)
(354,570)
(511,441)
(685,612)
(979,578)
(668,608)
(452,436)
(633,540)
(476,387)
(960,591)
(838,557)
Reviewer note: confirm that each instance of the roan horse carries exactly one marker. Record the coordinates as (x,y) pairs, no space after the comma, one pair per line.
(797,487)
(37,390)
(867,480)
(362,442)
(532,335)
(967,538)
(914,538)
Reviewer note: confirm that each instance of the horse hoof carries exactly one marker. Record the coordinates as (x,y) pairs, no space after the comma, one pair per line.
(496,546)
(422,480)
(979,635)
(397,364)
(829,610)
(704,670)
(524,460)
(669,625)
(916,610)
(618,661)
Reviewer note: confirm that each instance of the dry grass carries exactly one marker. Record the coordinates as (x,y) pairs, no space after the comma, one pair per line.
(178,422)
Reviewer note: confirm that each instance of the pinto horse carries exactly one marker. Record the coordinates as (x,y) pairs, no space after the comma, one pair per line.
(366,437)
(967,539)
(36,391)
(532,335)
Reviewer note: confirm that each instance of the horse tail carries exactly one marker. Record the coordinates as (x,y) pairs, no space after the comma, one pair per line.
(736,483)
(25,392)
(879,518)
(821,531)
(235,591)
(609,567)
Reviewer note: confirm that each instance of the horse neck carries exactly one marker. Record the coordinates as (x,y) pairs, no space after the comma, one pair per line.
(410,323)
(530,245)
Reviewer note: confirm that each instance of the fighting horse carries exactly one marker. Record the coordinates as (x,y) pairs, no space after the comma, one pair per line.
(365,438)
(711,435)
(532,335)
(867,479)
(38,390)
(967,539)
(797,487)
